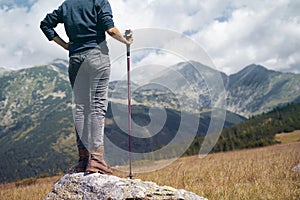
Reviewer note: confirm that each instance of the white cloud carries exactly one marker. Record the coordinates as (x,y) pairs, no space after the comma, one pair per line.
(234,33)
(22,42)
(254,34)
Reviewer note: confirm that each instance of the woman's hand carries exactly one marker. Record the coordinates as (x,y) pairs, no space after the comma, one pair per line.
(66,46)
(61,42)
(128,37)
(115,33)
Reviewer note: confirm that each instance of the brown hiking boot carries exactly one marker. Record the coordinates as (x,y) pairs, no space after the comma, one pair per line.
(97,163)
(83,160)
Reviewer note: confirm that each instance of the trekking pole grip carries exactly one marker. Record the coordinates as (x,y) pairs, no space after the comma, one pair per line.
(128,36)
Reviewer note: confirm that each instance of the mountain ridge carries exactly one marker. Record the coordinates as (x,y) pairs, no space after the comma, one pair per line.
(268,89)
(251,91)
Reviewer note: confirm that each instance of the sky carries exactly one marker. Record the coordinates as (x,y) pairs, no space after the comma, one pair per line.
(233,33)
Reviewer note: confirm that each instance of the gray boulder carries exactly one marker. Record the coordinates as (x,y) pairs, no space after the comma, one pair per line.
(296,168)
(103,187)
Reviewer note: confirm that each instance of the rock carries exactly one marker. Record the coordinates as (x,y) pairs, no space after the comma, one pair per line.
(103,187)
(296,168)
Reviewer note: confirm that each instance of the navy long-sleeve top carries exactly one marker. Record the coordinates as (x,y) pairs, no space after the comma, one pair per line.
(85,23)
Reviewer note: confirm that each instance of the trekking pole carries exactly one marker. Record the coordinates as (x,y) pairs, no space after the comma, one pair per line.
(128,35)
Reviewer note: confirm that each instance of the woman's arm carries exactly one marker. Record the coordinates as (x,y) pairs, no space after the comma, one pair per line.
(115,33)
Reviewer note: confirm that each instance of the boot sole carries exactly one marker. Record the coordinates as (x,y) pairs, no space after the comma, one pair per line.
(94,170)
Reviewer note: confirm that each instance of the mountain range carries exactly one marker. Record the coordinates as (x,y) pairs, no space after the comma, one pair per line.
(256,89)
(36,124)
(251,91)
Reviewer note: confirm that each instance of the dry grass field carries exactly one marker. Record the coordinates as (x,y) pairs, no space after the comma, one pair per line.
(36,191)
(261,173)
(288,137)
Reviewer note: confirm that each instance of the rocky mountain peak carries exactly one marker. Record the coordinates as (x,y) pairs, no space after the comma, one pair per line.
(254,67)
(3,71)
(60,64)
(251,74)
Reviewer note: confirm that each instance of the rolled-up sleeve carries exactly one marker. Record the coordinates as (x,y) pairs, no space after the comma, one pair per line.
(50,22)
(105,15)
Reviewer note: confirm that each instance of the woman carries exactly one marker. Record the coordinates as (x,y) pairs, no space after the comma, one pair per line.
(86,22)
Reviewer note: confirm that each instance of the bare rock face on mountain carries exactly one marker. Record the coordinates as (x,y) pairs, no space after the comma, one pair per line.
(102,187)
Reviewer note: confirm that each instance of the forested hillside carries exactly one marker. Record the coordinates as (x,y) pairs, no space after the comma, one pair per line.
(256,132)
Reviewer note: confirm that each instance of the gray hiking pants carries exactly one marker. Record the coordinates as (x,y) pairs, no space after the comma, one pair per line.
(89,73)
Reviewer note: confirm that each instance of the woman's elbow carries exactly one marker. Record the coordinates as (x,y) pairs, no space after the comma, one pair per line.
(112,31)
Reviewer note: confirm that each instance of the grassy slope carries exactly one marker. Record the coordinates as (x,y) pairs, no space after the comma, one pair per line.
(288,137)
(261,173)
